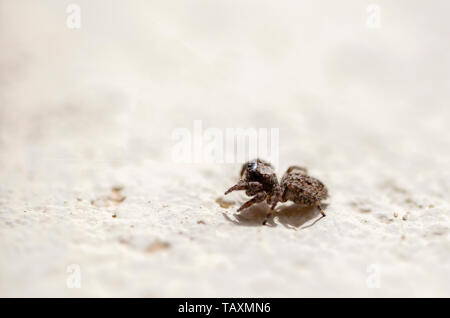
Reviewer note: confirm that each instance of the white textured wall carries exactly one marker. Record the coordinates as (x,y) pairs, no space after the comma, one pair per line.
(81,111)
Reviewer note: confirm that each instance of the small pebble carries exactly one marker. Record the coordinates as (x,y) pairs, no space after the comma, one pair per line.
(157,246)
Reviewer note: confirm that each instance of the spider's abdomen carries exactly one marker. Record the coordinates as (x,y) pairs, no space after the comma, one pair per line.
(302,189)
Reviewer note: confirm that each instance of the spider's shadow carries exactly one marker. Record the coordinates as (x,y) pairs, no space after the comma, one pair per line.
(289,215)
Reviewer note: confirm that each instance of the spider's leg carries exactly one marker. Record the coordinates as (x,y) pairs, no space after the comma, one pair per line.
(272,208)
(277,197)
(317,203)
(283,192)
(241,185)
(259,197)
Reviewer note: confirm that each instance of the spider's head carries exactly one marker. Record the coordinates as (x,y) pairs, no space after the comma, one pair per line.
(257,169)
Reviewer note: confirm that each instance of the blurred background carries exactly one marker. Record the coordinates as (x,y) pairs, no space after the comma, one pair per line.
(359,91)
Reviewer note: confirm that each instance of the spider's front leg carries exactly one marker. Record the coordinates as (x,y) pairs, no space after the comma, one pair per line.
(252,187)
(259,197)
(241,185)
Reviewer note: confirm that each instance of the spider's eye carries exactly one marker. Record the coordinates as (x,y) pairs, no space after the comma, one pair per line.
(252,166)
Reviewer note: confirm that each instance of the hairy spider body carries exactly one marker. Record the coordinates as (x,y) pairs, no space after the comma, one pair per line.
(297,186)
(259,180)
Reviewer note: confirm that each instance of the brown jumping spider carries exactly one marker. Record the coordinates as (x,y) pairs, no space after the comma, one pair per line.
(259,180)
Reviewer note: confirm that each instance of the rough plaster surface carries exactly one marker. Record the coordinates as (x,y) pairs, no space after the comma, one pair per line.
(83,111)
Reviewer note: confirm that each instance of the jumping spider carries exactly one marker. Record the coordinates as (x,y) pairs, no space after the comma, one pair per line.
(259,180)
